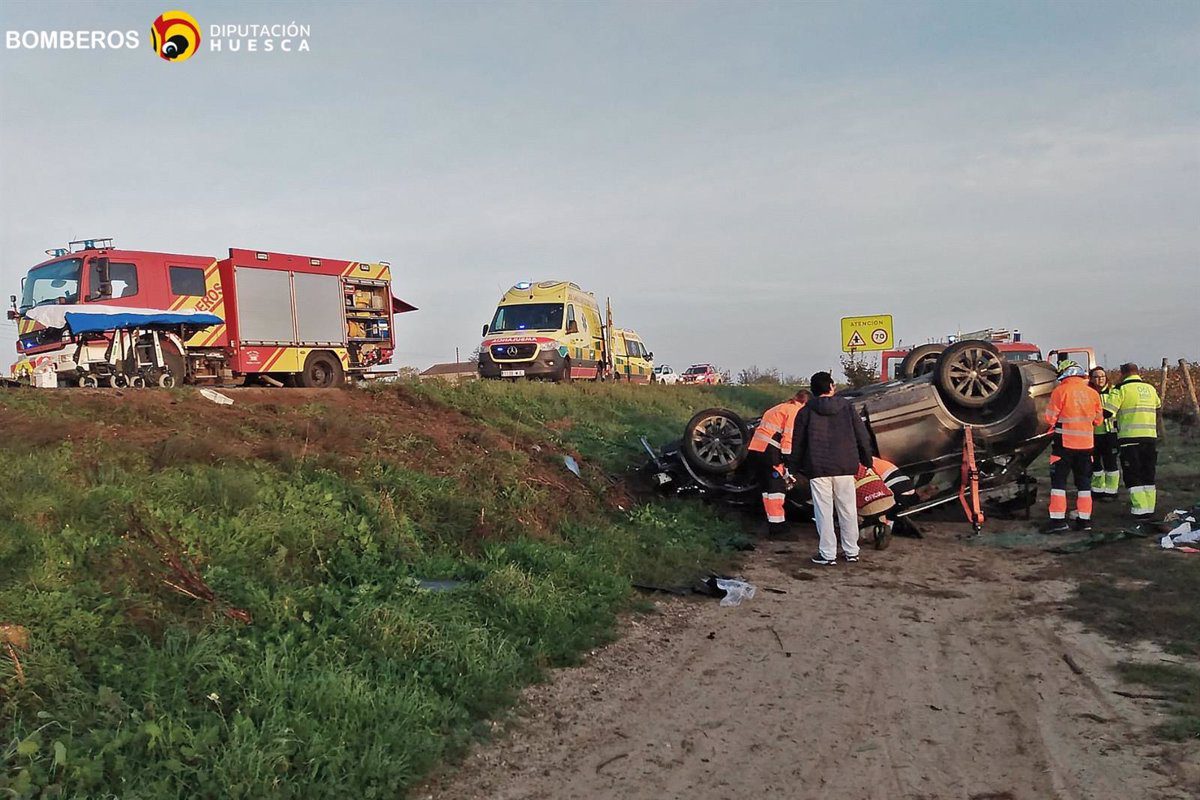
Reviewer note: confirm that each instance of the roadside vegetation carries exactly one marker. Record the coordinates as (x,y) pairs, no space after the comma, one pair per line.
(313,594)
(1134,591)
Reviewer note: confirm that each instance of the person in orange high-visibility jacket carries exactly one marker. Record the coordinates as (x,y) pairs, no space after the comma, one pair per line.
(1073,413)
(769,447)
(900,484)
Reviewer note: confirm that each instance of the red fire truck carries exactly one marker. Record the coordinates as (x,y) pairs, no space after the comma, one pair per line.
(287,319)
(906,363)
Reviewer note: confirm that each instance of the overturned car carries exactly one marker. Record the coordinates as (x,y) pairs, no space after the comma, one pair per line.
(973,399)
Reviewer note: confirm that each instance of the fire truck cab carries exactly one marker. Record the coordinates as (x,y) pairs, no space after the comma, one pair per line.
(904,363)
(287,319)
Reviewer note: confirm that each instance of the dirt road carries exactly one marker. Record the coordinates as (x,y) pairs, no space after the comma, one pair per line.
(932,670)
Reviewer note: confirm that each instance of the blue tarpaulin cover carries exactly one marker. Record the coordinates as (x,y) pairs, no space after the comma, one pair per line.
(82,322)
(96,318)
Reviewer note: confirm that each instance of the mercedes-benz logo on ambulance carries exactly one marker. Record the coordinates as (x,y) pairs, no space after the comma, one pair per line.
(512,350)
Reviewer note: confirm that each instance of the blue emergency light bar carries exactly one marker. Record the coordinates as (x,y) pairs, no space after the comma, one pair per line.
(103,243)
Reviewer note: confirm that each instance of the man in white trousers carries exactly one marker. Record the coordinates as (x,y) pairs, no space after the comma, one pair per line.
(829,441)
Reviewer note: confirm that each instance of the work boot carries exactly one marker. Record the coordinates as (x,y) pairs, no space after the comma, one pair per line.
(883,535)
(1083,525)
(1056,526)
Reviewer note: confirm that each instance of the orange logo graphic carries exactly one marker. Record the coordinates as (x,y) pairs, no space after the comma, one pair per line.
(175,36)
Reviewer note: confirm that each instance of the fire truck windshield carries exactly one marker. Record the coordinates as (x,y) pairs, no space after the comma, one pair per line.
(528,316)
(52,283)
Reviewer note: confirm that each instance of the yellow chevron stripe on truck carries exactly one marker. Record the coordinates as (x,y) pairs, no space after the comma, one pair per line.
(213,300)
(291,359)
(375,272)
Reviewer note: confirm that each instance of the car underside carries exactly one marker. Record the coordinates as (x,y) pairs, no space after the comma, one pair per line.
(919,424)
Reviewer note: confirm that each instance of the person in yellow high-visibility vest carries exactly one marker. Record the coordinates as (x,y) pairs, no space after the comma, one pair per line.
(770,446)
(1106,478)
(1137,409)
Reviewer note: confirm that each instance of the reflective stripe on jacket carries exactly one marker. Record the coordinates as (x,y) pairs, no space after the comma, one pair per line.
(775,428)
(1074,412)
(1134,404)
(895,480)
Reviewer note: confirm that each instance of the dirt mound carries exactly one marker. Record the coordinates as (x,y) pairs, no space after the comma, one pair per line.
(286,427)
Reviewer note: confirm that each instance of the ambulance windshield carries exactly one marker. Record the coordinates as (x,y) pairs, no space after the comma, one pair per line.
(52,283)
(530,316)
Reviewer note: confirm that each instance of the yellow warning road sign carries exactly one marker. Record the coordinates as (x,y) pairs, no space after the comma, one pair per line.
(867,333)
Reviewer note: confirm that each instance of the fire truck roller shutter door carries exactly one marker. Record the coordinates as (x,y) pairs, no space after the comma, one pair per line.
(264,304)
(319,301)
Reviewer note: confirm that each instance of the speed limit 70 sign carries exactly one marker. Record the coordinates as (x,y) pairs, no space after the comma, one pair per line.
(867,333)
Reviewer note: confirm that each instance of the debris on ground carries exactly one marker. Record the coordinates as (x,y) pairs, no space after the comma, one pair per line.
(731,590)
(216,397)
(679,591)
(1186,532)
(1096,540)
(573,466)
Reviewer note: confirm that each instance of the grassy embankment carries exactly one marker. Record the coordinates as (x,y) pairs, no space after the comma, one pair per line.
(136,530)
(1135,591)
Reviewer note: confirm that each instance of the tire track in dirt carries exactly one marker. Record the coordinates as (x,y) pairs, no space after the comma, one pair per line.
(928,671)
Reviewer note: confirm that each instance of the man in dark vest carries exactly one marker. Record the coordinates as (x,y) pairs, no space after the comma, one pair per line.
(829,443)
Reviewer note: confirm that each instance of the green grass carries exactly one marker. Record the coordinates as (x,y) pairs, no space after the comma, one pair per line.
(1135,591)
(1177,686)
(350,680)
(603,422)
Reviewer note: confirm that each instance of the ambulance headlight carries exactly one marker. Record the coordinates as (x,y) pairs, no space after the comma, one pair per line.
(548,346)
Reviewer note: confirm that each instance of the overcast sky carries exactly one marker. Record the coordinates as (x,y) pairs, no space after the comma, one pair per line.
(735,176)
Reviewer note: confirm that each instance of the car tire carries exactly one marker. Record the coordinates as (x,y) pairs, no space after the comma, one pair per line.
(564,374)
(322,370)
(716,441)
(971,373)
(921,360)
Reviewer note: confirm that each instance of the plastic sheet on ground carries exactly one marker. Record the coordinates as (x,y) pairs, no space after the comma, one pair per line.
(216,397)
(735,591)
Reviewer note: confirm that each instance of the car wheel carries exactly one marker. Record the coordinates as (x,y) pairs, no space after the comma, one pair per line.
(971,373)
(921,360)
(321,371)
(716,441)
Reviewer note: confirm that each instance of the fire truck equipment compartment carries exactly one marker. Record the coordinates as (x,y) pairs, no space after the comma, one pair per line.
(263,314)
(318,309)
